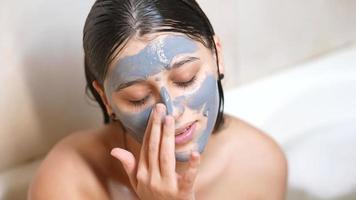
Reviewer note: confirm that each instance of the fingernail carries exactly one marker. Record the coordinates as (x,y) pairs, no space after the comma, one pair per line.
(159,108)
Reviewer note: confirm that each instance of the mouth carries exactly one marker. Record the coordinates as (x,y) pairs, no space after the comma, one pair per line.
(185,134)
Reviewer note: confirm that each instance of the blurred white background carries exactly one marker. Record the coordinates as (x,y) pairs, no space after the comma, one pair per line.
(271,48)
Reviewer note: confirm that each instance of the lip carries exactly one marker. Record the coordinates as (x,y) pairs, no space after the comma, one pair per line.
(185,134)
(180,130)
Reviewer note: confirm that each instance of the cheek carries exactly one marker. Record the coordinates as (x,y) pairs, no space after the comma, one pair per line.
(135,123)
(205,99)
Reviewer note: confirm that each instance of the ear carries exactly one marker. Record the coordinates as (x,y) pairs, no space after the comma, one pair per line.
(103,96)
(219,53)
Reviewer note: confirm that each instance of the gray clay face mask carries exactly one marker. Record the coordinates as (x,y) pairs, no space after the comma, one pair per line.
(150,61)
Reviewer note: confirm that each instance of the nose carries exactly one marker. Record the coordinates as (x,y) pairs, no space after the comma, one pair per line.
(167,101)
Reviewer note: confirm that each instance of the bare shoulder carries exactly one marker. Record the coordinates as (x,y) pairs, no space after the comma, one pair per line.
(260,161)
(66,172)
(253,141)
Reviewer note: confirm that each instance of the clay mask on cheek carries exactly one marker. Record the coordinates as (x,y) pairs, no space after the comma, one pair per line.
(205,101)
(154,58)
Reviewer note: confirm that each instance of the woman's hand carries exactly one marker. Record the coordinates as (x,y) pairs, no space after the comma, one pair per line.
(153,175)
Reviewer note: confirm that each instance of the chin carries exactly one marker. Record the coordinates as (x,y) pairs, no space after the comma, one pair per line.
(182,154)
(198,143)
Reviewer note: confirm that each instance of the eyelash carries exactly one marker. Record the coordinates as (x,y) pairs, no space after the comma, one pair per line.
(183,85)
(139,103)
(187,83)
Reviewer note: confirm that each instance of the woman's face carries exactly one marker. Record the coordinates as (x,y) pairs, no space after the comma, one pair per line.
(171,69)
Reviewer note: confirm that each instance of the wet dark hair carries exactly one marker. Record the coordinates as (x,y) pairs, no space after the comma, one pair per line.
(111,23)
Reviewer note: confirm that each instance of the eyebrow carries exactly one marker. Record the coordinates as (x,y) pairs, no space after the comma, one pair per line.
(128,84)
(180,63)
(173,65)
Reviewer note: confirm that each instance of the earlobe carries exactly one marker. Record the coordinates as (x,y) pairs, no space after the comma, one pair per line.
(219,52)
(103,97)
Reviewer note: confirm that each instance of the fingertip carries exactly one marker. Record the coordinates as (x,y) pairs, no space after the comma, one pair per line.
(161,108)
(118,152)
(195,154)
(115,153)
(125,157)
(194,158)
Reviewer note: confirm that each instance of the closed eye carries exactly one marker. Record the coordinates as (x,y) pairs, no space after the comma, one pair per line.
(140,102)
(186,83)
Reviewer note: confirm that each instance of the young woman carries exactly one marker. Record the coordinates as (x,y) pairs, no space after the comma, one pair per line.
(153,66)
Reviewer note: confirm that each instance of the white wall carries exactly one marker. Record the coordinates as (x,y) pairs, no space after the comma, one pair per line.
(263,37)
(42,77)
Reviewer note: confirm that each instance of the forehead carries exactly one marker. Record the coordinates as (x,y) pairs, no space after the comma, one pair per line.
(155,42)
(147,56)
(152,54)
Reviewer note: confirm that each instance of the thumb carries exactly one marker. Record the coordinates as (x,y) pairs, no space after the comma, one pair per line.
(128,161)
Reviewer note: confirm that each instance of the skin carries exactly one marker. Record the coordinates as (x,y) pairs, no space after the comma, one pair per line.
(155,59)
(239,161)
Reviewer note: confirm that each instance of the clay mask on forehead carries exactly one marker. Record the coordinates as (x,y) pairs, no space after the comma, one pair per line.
(154,58)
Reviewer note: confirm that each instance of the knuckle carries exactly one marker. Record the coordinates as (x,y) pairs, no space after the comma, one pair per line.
(154,186)
(156,120)
(164,158)
(141,176)
(170,191)
(153,147)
